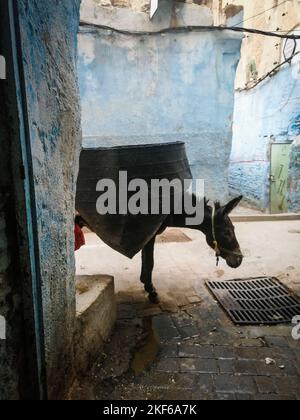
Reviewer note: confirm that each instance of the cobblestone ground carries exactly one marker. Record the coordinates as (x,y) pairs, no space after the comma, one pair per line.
(192,352)
(187,348)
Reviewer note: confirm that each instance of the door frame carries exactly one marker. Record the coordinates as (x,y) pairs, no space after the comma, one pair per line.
(33,384)
(270,170)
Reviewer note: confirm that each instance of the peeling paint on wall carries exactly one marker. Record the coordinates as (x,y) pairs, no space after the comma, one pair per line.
(264,51)
(294,127)
(294,177)
(49,41)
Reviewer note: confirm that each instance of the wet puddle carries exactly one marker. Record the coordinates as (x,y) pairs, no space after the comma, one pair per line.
(147,352)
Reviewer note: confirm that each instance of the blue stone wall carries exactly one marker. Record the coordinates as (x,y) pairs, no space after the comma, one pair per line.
(178,87)
(294,178)
(265,115)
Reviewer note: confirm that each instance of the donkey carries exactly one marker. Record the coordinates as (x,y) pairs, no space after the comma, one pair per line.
(220,236)
(216,226)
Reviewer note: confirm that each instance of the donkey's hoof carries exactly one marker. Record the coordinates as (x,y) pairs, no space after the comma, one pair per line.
(154,298)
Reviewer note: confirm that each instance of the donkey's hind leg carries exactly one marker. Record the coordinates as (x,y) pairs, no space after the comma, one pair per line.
(147,270)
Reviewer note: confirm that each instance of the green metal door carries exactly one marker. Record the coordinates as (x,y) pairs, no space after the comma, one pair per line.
(279,177)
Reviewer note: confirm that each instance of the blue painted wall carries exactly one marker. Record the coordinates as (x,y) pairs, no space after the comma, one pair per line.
(268,114)
(294,177)
(49,42)
(137,90)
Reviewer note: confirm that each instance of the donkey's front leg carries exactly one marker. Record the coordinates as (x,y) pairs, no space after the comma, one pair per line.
(147,270)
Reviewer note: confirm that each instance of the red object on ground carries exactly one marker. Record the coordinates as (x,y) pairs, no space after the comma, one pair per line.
(79,237)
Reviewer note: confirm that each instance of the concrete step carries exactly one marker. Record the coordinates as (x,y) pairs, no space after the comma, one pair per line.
(265,217)
(96,314)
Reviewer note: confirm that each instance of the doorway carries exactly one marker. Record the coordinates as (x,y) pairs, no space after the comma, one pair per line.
(42,120)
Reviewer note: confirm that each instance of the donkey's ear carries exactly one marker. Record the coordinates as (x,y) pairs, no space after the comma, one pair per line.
(232,205)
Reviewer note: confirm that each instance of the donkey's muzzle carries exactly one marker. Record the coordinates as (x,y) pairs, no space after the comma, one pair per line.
(234,261)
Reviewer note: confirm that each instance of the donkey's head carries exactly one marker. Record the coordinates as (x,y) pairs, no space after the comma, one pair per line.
(221,234)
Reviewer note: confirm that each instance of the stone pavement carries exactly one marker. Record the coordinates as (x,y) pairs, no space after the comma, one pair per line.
(187,348)
(194,353)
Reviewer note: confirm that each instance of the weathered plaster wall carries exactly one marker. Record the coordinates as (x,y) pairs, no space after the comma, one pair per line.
(144,5)
(49,38)
(259,55)
(170,13)
(137,5)
(264,115)
(154,89)
(294,175)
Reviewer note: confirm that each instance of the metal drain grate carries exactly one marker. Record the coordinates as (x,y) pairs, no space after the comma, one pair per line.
(256,301)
